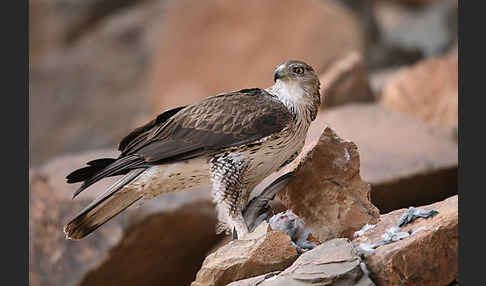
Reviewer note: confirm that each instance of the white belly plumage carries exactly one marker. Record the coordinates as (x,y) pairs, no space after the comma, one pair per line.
(173,177)
(195,173)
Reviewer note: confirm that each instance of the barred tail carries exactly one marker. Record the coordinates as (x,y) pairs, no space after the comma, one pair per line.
(103,208)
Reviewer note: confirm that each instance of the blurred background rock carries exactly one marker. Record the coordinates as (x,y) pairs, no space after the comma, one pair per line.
(99,68)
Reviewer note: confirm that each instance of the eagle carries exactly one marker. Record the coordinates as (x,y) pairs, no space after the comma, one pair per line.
(230,141)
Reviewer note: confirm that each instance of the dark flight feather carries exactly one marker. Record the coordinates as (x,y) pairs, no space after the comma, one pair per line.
(202,128)
(93,167)
(131,138)
(257,209)
(118,167)
(103,208)
(214,123)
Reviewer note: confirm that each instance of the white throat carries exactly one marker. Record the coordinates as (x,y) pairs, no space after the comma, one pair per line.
(288,92)
(292,95)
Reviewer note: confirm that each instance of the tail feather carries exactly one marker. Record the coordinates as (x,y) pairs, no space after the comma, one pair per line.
(85,173)
(103,208)
(102,168)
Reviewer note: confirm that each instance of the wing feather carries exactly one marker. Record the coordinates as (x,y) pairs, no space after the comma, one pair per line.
(202,128)
(211,125)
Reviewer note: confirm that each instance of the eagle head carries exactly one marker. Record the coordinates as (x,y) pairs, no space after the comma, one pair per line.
(297,83)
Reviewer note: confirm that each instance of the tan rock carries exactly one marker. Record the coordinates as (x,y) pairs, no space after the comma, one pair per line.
(335,262)
(217,46)
(163,249)
(427,257)
(328,192)
(427,90)
(175,232)
(53,260)
(261,251)
(406,161)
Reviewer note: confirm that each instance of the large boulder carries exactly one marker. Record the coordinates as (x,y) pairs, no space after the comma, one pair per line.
(264,250)
(335,262)
(427,90)
(328,192)
(164,248)
(166,240)
(217,46)
(406,161)
(428,256)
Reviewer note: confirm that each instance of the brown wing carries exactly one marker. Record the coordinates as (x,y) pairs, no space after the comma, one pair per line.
(139,134)
(215,123)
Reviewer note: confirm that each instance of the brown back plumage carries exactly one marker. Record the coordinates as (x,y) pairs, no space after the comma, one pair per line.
(205,127)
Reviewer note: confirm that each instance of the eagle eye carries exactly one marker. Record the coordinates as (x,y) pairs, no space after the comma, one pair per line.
(298,70)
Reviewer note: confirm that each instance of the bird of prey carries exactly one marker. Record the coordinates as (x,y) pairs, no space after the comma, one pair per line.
(230,141)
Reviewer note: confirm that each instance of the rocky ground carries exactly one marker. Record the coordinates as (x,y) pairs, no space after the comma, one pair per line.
(385,139)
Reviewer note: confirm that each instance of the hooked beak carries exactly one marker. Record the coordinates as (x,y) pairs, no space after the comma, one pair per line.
(279,73)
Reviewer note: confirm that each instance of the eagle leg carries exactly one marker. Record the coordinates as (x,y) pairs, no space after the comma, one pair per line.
(230,192)
(240,227)
(231,218)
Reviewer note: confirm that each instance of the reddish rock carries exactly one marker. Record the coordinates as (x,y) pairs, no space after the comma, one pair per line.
(335,262)
(406,161)
(217,46)
(328,192)
(429,256)
(163,249)
(174,231)
(427,90)
(259,252)
(53,260)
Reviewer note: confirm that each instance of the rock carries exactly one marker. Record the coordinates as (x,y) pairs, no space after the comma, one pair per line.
(87,78)
(181,228)
(427,257)
(335,262)
(327,191)
(345,81)
(427,90)
(259,252)
(216,46)
(406,161)
(165,248)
